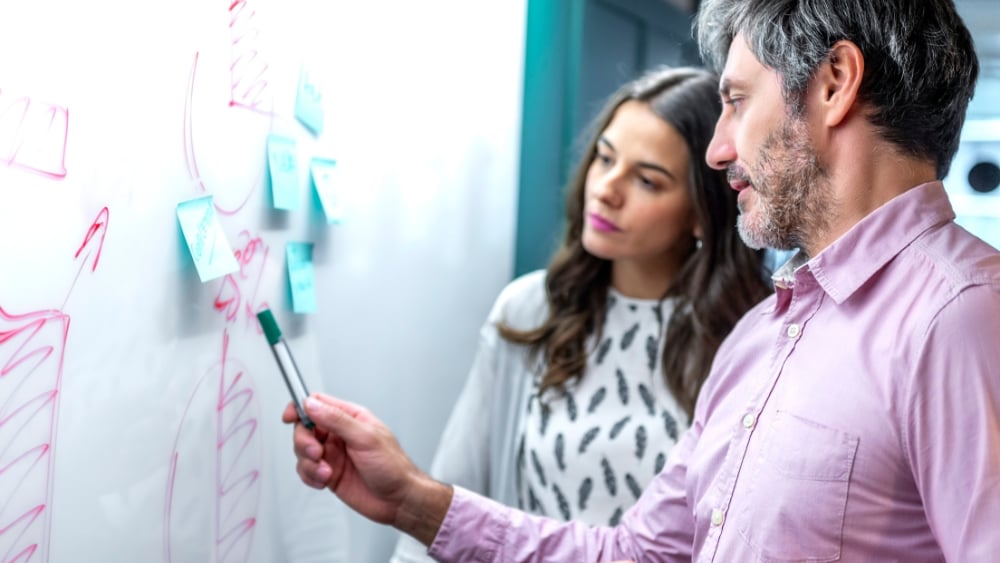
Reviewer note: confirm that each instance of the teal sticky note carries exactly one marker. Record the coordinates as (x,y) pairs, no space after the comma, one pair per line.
(323,172)
(206,242)
(301,279)
(309,102)
(281,161)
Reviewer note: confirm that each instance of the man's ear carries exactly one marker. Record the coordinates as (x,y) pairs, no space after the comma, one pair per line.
(837,81)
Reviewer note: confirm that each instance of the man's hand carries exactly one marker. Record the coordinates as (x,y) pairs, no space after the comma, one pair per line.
(355,455)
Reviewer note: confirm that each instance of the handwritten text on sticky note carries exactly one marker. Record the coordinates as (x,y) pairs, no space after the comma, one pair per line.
(206,242)
(301,277)
(281,160)
(324,180)
(309,102)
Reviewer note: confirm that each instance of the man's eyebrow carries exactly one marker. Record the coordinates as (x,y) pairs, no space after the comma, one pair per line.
(726,85)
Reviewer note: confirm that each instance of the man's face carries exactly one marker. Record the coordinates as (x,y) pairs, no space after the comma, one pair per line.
(785,198)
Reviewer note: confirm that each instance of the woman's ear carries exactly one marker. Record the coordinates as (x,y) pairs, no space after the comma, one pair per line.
(837,81)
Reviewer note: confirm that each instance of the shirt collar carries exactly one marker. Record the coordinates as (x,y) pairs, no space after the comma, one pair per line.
(844,266)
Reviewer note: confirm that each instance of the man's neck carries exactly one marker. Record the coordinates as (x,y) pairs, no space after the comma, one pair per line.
(865,173)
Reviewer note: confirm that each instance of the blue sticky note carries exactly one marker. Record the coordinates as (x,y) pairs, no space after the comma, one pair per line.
(212,255)
(323,172)
(309,102)
(281,161)
(301,279)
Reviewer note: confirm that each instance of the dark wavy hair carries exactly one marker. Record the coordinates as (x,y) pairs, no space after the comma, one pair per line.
(715,286)
(920,61)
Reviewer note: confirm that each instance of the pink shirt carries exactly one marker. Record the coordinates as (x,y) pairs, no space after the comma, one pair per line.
(854,415)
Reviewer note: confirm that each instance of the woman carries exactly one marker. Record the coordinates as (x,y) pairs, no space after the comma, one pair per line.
(587,372)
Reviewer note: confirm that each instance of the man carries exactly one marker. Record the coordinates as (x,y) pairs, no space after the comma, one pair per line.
(852,416)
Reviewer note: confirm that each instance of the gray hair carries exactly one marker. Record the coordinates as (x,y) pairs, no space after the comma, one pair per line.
(920,63)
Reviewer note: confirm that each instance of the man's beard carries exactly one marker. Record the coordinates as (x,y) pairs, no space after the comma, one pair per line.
(793,199)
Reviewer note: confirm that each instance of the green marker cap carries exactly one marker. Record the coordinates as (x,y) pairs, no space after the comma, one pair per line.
(270,326)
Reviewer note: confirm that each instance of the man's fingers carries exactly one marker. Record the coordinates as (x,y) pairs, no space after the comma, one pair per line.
(316,474)
(306,444)
(289,415)
(336,416)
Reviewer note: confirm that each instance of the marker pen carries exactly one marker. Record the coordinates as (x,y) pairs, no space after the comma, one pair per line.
(293,379)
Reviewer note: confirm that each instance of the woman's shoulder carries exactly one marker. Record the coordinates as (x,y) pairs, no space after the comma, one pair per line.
(522,303)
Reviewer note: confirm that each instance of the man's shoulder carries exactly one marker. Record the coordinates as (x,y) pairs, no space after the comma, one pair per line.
(959,259)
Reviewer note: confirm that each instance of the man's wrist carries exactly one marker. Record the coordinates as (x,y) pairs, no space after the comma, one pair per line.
(423,509)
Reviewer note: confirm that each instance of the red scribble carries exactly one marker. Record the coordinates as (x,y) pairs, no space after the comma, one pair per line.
(238,292)
(33,135)
(31,366)
(191,157)
(237,472)
(248,69)
(99,226)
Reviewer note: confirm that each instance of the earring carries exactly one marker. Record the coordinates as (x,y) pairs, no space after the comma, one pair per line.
(697,244)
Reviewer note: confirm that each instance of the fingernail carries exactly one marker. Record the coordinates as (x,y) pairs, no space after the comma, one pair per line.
(323,472)
(313,451)
(311,404)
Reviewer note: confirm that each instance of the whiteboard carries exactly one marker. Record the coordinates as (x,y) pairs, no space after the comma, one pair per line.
(139,406)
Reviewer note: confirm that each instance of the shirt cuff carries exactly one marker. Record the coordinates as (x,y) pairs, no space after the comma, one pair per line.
(474,529)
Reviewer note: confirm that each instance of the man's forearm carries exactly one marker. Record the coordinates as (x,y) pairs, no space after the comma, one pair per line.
(424,509)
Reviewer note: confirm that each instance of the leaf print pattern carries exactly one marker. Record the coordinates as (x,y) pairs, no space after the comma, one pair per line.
(602,350)
(571,406)
(647,398)
(609,477)
(588,438)
(651,349)
(622,387)
(535,504)
(561,499)
(560,452)
(640,441)
(629,336)
(596,399)
(538,467)
(617,428)
(633,485)
(546,413)
(670,425)
(585,489)
(616,518)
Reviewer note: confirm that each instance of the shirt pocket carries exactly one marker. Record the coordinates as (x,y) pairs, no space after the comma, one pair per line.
(797,491)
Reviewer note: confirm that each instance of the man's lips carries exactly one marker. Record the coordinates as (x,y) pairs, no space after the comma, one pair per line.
(738,180)
(739,185)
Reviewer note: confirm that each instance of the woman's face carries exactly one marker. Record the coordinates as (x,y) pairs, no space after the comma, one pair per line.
(637,209)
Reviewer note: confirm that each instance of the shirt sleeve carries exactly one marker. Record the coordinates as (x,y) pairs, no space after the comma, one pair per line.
(658,528)
(952,437)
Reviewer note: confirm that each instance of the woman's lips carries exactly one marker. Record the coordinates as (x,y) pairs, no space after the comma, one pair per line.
(601,224)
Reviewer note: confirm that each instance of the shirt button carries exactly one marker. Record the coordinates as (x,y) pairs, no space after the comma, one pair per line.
(749,420)
(793,330)
(718,516)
